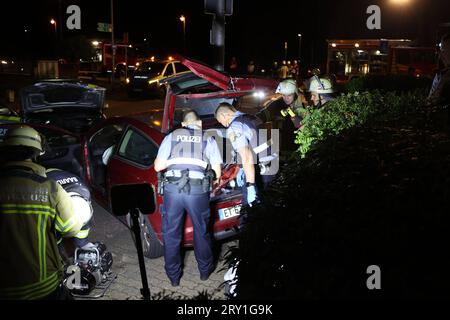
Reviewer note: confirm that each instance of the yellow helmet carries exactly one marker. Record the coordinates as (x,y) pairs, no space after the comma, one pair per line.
(23,136)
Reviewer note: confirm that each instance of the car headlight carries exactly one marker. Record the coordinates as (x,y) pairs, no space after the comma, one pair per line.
(259,94)
(150,82)
(127,80)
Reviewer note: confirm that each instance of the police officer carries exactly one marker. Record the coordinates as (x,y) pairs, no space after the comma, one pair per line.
(243,134)
(32,208)
(81,200)
(185,155)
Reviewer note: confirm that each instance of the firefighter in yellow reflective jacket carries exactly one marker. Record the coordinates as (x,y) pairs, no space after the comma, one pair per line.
(32,209)
(7,116)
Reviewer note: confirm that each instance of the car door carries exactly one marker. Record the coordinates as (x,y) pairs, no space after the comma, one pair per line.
(98,148)
(120,151)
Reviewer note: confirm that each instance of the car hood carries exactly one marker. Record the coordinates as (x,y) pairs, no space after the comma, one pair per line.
(224,81)
(44,95)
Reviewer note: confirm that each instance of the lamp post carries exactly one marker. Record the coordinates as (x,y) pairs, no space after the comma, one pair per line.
(183,19)
(53,23)
(285,50)
(300,46)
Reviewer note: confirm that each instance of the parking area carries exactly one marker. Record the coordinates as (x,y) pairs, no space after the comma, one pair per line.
(127,286)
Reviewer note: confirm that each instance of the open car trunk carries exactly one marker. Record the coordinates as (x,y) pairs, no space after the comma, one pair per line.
(72,106)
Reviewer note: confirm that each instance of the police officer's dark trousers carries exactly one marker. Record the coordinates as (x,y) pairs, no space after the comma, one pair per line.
(196,203)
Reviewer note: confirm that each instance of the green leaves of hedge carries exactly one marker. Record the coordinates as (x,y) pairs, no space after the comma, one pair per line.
(354,109)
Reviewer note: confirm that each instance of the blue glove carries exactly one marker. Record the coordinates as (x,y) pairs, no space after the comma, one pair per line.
(251,195)
(240,178)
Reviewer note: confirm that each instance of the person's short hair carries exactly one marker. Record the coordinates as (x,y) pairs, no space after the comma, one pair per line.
(190,116)
(224,107)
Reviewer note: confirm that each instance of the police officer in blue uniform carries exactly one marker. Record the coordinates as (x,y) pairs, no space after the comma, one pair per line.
(243,134)
(81,199)
(186,155)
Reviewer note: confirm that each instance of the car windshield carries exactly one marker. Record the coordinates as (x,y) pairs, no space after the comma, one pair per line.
(151,68)
(204,107)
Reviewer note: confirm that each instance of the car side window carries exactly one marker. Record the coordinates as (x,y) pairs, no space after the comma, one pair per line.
(105,138)
(169,70)
(138,148)
(180,67)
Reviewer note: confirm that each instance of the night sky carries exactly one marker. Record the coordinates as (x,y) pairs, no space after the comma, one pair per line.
(256,31)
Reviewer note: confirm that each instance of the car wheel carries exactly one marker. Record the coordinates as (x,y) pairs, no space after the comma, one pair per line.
(151,245)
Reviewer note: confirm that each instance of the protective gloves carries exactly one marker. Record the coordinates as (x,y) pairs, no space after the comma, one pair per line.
(251,195)
(240,178)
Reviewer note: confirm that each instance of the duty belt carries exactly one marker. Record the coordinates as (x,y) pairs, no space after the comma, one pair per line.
(179,174)
(184,182)
(191,181)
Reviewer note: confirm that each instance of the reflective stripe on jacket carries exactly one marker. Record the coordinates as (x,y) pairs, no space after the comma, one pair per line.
(32,207)
(187,150)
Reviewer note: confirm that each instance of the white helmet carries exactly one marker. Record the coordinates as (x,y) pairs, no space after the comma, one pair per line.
(320,86)
(287,87)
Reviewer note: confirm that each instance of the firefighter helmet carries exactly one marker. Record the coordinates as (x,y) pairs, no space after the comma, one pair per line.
(287,87)
(321,86)
(23,136)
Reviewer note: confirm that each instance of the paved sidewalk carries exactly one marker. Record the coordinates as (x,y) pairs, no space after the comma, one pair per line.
(128,283)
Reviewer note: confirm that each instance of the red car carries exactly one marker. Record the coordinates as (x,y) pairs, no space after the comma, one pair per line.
(116,156)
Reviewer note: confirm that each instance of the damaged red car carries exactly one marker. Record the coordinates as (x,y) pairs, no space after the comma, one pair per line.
(116,156)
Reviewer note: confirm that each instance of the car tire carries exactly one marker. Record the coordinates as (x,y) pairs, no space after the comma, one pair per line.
(151,245)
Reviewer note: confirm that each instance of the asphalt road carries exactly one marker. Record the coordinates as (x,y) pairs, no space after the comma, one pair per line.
(120,105)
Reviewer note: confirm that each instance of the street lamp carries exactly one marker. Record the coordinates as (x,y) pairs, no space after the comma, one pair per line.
(285,50)
(53,22)
(400,2)
(299,46)
(183,19)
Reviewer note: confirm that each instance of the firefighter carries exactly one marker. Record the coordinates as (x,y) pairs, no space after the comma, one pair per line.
(244,136)
(322,91)
(186,155)
(294,100)
(6,116)
(32,209)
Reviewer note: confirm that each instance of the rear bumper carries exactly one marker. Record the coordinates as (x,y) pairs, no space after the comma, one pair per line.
(222,229)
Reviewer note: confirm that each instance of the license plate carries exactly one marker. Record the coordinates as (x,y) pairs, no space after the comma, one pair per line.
(230,212)
(137,90)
